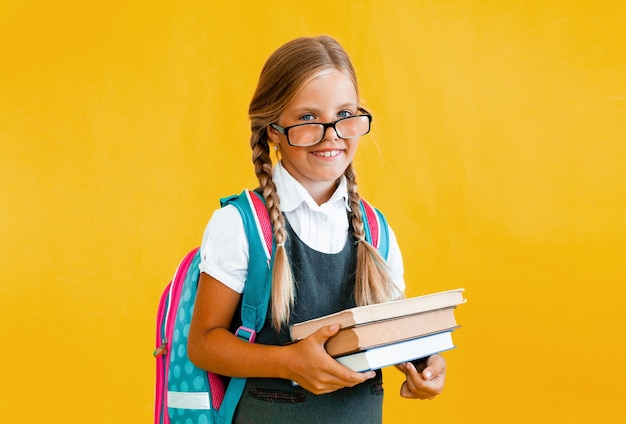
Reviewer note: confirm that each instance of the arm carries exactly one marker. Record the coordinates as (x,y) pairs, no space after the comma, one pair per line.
(424,379)
(214,348)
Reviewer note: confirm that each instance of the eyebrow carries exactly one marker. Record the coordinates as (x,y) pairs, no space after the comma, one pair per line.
(318,111)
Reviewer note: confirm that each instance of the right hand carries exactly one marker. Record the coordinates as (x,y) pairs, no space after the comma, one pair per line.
(315,370)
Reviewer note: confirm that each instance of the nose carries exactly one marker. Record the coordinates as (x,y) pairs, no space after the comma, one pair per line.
(330,133)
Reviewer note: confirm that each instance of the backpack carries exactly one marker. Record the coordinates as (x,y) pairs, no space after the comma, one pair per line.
(185,393)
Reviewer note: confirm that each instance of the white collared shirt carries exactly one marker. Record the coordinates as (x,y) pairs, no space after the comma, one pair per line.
(321,227)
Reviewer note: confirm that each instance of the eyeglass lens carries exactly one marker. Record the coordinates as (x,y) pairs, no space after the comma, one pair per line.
(309,134)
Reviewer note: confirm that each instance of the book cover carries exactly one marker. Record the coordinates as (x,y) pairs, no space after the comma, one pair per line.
(397,353)
(380,311)
(365,336)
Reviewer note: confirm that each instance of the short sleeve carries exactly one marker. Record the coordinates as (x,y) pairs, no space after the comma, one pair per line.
(224,248)
(395,263)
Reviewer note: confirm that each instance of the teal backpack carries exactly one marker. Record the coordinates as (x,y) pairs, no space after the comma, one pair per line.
(184,393)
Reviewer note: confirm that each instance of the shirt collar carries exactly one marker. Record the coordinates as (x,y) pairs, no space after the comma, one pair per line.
(292,194)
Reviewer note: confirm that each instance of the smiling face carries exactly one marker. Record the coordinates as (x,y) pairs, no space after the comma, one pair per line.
(326,98)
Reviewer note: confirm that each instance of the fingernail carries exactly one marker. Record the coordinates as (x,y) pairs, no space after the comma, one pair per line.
(428,375)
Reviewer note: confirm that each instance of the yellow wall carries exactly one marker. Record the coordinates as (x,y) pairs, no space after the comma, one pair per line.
(498,155)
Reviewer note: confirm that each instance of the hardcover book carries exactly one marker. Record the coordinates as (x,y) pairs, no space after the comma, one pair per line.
(380,311)
(396,353)
(365,336)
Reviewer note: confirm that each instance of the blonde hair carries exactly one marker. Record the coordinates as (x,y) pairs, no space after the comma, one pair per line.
(286,71)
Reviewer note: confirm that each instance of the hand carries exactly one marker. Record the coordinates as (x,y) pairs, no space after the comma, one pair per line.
(423,383)
(315,370)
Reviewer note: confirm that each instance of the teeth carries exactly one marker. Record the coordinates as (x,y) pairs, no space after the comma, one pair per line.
(329,154)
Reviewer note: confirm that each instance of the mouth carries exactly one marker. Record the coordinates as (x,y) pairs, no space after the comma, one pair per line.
(327,153)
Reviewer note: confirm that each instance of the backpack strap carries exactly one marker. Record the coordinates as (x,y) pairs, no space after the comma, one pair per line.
(376,228)
(255,298)
(256,295)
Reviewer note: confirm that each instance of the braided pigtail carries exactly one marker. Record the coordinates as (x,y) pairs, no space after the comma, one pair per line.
(285,72)
(373,280)
(282,278)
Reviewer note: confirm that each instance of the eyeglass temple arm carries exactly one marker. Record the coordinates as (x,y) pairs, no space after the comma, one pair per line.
(279,128)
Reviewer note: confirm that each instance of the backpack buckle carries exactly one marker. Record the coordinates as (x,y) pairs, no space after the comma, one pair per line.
(246,334)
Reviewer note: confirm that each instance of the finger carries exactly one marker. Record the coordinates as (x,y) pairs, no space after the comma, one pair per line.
(433,387)
(414,379)
(347,377)
(418,387)
(436,365)
(325,333)
(401,367)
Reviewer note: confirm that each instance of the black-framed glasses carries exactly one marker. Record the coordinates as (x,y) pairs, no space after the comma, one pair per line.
(309,134)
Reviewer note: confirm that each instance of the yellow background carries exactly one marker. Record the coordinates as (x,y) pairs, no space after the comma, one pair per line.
(498,155)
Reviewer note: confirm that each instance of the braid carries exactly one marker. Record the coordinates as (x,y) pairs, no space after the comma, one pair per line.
(261,158)
(373,282)
(353,199)
(282,279)
(284,74)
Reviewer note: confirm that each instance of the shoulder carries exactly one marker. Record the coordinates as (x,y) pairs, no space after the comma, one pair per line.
(224,248)
(225,227)
(226,217)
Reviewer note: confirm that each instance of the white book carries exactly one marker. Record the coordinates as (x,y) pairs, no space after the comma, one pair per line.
(397,353)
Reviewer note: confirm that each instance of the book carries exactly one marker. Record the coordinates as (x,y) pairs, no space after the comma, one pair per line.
(380,311)
(397,353)
(365,336)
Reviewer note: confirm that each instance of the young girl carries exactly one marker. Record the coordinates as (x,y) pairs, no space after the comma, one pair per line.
(306,108)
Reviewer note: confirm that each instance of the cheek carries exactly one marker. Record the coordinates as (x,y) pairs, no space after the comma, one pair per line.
(352,147)
(291,153)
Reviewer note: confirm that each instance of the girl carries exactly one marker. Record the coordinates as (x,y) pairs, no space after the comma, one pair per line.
(306,106)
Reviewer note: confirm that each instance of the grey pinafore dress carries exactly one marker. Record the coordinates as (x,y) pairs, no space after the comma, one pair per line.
(324,284)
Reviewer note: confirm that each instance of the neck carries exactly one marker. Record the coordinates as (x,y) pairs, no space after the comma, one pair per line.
(321,192)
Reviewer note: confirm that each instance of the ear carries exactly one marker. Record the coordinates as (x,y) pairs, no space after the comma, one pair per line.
(273,134)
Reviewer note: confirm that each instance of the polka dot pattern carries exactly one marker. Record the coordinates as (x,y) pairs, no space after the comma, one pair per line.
(184,376)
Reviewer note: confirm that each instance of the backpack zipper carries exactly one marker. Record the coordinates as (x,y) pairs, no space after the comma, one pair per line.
(161,350)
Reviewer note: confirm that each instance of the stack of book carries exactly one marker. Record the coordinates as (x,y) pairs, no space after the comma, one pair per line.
(376,336)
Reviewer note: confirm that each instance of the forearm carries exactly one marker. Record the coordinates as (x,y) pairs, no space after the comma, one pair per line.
(221,352)
(211,346)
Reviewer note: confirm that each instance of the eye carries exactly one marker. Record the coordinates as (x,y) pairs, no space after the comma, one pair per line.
(344,114)
(307,117)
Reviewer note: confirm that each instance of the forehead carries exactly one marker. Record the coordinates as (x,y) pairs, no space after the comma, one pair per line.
(330,88)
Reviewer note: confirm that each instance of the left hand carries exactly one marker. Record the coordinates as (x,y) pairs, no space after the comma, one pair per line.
(425,383)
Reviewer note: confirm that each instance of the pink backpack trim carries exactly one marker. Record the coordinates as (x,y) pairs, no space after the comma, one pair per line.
(374,223)
(168,303)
